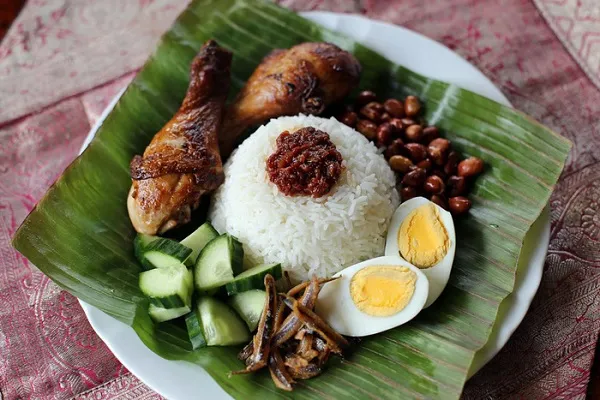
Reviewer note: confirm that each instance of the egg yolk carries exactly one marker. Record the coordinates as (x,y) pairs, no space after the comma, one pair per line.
(382,291)
(422,238)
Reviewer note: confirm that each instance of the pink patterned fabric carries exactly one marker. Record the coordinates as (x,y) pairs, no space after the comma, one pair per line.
(73,46)
(577,25)
(48,65)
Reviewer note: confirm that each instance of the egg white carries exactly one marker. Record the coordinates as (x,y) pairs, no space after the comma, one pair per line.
(438,274)
(335,304)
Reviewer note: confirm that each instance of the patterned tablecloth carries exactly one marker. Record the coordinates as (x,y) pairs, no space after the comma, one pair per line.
(63,60)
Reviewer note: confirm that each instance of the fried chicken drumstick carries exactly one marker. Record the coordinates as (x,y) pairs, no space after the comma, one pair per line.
(182,161)
(303,79)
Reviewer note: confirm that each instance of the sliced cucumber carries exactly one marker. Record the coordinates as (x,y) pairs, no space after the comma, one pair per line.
(217,264)
(220,325)
(140,243)
(169,287)
(157,252)
(249,305)
(253,278)
(160,314)
(198,240)
(194,329)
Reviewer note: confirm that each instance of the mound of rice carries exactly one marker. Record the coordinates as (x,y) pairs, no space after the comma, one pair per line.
(307,235)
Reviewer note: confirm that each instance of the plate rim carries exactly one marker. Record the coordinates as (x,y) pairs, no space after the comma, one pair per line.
(534,269)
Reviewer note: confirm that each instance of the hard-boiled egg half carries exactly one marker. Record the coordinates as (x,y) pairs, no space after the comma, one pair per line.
(373,296)
(422,233)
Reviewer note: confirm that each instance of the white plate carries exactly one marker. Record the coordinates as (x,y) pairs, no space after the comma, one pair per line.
(182,380)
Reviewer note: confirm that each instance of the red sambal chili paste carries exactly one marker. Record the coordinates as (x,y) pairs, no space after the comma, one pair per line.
(305,163)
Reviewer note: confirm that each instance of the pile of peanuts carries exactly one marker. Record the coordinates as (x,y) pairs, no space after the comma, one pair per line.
(425,162)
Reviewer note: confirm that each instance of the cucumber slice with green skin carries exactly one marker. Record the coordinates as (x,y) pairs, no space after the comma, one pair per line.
(253,278)
(249,305)
(169,287)
(160,314)
(140,243)
(220,325)
(217,264)
(157,252)
(198,240)
(194,329)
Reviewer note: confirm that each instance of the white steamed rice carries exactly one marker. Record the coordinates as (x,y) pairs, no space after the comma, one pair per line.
(305,234)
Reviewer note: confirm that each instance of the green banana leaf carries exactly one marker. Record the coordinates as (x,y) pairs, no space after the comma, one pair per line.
(81,237)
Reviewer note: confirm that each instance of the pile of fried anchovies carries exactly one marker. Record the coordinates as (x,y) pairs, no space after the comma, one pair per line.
(291,340)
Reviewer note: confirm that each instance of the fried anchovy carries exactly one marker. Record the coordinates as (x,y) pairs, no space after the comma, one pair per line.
(323,355)
(279,315)
(306,372)
(316,323)
(301,333)
(286,275)
(323,349)
(279,374)
(292,324)
(300,287)
(246,352)
(294,361)
(320,344)
(305,347)
(262,339)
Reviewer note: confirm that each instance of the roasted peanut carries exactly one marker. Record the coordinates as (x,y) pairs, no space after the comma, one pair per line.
(451,163)
(372,111)
(367,128)
(395,148)
(400,163)
(459,205)
(430,133)
(414,133)
(417,151)
(457,185)
(365,97)
(407,193)
(397,125)
(394,107)
(469,167)
(439,200)
(349,118)
(438,150)
(376,106)
(406,122)
(384,134)
(439,172)
(434,185)
(414,178)
(425,164)
(412,106)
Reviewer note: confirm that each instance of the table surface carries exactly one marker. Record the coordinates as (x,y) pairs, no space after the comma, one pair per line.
(538,52)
